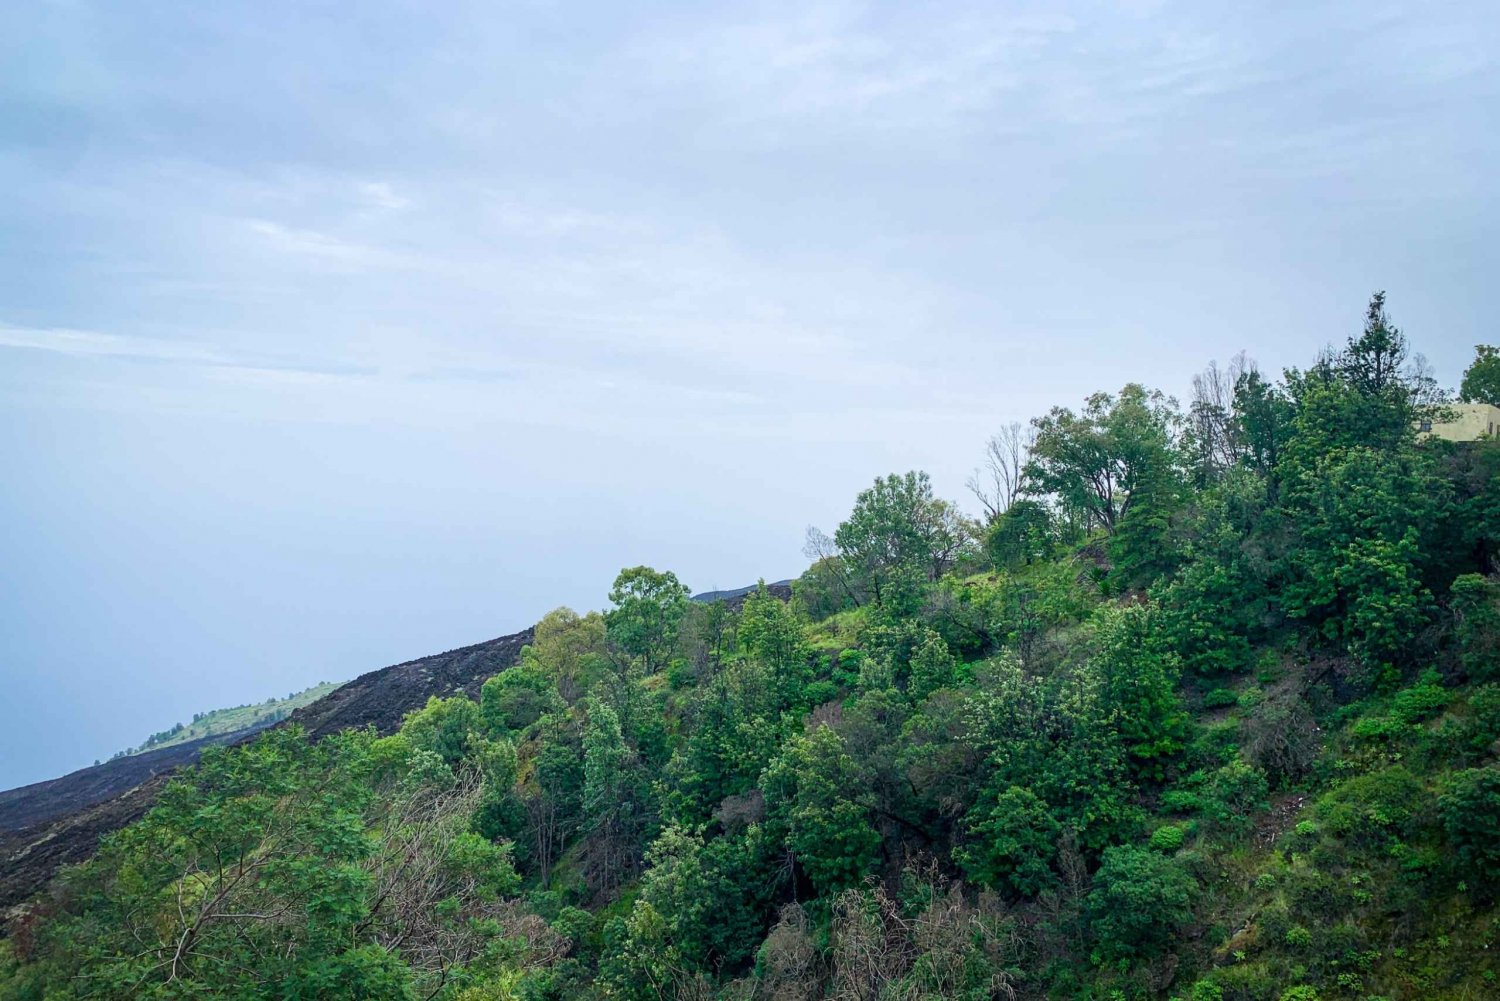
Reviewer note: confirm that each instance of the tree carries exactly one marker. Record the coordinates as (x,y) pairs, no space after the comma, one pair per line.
(1111,457)
(443,727)
(1002,478)
(551,792)
(1471,817)
(569,649)
(899,531)
(284,868)
(812,791)
(1481,383)
(648,607)
(1214,438)
(1140,897)
(1140,677)
(1372,394)
(1057,737)
(1013,842)
(615,802)
(1020,536)
(1263,417)
(770,631)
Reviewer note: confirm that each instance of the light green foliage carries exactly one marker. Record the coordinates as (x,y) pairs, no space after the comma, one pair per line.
(1422,700)
(1220,698)
(1167,838)
(899,535)
(515,699)
(1387,603)
(771,632)
(234,719)
(648,608)
(1369,810)
(570,649)
(443,727)
(1300,993)
(285,849)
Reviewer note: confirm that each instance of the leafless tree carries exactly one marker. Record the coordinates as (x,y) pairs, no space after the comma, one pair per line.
(824,553)
(1212,428)
(412,874)
(1000,480)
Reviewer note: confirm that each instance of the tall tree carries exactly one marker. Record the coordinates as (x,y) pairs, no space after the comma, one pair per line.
(1481,382)
(648,609)
(1214,438)
(1109,457)
(900,530)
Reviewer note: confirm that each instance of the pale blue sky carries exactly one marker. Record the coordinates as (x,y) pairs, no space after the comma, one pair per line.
(336,334)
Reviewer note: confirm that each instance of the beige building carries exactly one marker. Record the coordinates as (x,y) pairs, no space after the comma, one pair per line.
(1469,422)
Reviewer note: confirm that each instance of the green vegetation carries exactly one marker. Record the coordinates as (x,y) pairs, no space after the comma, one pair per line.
(1206,708)
(234,719)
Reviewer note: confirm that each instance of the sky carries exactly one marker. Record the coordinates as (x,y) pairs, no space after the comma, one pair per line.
(333,335)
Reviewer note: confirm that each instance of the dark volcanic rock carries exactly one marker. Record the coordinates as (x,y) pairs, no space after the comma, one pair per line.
(381,698)
(59,822)
(735,598)
(41,801)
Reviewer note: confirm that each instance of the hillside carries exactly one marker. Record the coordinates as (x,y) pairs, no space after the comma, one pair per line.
(234,720)
(60,821)
(1205,708)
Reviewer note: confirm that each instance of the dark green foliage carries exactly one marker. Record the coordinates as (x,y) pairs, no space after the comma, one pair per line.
(1139,899)
(1471,817)
(1116,456)
(1013,842)
(814,795)
(1020,536)
(1140,678)
(1476,606)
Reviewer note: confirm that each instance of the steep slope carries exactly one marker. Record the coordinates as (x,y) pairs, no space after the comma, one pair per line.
(59,822)
(42,801)
(234,719)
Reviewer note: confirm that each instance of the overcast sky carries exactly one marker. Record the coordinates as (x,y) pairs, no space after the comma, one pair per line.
(336,334)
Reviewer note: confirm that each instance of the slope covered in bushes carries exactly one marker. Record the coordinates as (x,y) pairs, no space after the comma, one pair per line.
(1206,707)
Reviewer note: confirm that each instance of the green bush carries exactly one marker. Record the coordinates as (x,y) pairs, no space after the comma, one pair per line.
(1206,990)
(1219,698)
(1168,838)
(1421,701)
(1374,807)
(1471,817)
(1139,899)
